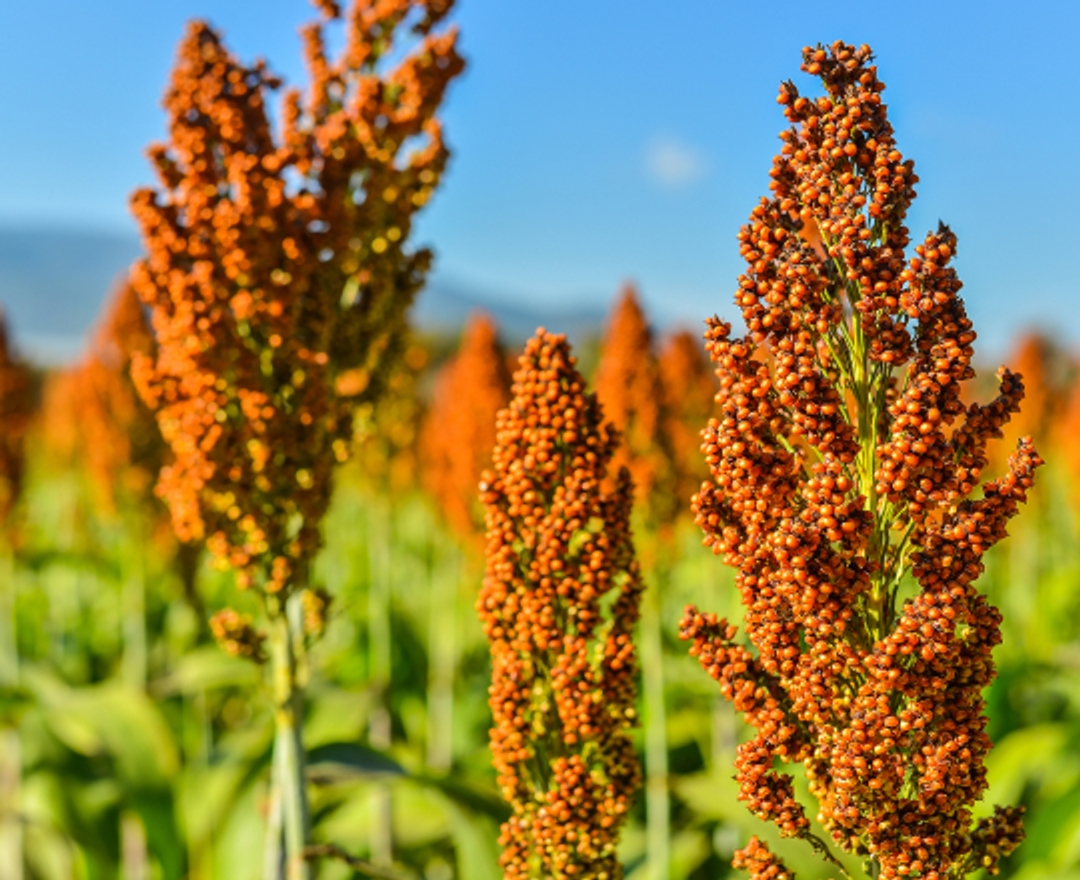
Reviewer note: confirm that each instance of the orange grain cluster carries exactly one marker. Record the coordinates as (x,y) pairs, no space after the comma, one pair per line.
(459,431)
(844,466)
(277,263)
(16,408)
(629,386)
(562,691)
(237,636)
(689,387)
(756,859)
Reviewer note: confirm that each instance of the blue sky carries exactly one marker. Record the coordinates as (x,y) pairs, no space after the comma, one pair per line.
(603,140)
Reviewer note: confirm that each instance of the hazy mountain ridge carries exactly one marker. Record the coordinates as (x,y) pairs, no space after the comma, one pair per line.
(53,283)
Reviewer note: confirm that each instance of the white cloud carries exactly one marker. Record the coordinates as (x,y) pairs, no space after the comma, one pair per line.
(673,164)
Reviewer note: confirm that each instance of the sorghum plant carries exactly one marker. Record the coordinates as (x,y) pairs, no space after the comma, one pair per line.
(459,431)
(93,412)
(278,278)
(845,471)
(630,389)
(562,689)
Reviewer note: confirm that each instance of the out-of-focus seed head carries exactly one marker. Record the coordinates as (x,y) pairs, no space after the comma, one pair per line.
(559,552)
(16,409)
(93,415)
(689,391)
(629,386)
(459,431)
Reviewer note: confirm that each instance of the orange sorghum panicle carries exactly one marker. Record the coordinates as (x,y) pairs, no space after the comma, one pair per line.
(277,262)
(689,388)
(459,431)
(93,412)
(237,636)
(1066,429)
(562,692)
(843,460)
(760,863)
(629,387)
(16,407)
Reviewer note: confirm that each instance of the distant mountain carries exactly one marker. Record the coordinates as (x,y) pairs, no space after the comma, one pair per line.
(446,305)
(53,283)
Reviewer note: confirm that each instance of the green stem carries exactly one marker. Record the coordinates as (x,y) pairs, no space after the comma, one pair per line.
(10,822)
(133,662)
(273,847)
(379,725)
(657,797)
(286,652)
(10,748)
(442,660)
(822,848)
(134,857)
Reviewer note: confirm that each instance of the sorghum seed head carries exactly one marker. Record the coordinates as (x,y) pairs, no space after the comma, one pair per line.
(277,264)
(562,690)
(843,459)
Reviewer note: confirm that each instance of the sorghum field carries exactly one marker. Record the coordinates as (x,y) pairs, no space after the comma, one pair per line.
(290,588)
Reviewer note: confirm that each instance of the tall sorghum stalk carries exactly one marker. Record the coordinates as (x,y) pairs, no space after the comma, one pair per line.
(630,389)
(16,407)
(455,444)
(279,280)
(558,605)
(845,491)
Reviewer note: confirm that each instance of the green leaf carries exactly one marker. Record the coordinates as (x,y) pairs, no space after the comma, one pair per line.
(1054,831)
(14,701)
(1027,754)
(207,668)
(342,761)
(476,845)
(483,801)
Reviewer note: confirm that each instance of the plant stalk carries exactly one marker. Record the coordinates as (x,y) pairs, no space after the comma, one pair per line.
(274,846)
(135,859)
(134,662)
(380,658)
(442,660)
(11,849)
(286,652)
(657,796)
